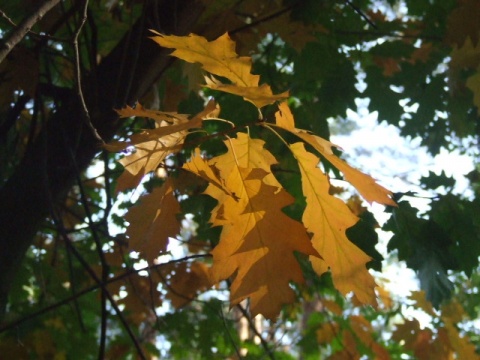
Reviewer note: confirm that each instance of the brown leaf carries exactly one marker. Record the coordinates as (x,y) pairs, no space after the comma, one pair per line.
(187,280)
(153,221)
(462,23)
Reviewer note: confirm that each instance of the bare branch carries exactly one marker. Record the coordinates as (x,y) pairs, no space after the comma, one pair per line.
(78,74)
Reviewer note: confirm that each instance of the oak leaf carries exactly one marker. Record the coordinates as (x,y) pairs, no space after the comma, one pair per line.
(152,146)
(204,169)
(153,221)
(218,57)
(328,218)
(243,151)
(259,96)
(365,184)
(460,344)
(258,242)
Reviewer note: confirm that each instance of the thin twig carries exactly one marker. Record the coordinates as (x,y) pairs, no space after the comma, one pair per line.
(361,13)
(78,74)
(24,27)
(264,342)
(230,337)
(103,262)
(264,19)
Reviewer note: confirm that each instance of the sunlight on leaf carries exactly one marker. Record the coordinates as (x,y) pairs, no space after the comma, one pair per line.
(327,218)
(218,57)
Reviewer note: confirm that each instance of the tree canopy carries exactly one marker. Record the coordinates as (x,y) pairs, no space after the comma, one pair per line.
(169,188)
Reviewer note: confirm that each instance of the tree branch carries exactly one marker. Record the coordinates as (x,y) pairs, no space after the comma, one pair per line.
(126,274)
(24,27)
(46,172)
(78,75)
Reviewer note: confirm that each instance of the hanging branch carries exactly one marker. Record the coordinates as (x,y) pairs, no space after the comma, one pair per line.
(86,113)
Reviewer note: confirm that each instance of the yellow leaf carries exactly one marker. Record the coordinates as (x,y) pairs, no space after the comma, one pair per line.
(259,96)
(154,145)
(147,157)
(365,184)
(327,218)
(204,169)
(153,221)
(245,152)
(218,57)
(159,116)
(284,117)
(258,242)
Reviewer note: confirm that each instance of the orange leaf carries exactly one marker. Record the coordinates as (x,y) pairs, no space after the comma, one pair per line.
(258,242)
(153,221)
(327,218)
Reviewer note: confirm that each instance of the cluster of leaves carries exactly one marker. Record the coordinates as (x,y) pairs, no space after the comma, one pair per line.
(253,167)
(258,241)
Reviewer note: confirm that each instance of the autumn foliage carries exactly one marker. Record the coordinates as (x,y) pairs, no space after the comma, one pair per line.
(259,243)
(242,229)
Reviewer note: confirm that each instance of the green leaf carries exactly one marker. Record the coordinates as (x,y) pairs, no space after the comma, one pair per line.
(434,181)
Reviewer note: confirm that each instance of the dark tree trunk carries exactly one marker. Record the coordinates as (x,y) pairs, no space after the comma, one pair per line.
(66,145)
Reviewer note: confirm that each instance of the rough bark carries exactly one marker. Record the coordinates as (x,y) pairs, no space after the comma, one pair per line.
(66,145)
